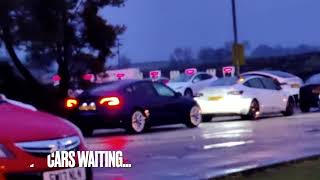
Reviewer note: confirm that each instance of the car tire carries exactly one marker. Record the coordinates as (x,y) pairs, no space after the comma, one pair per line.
(137,122)
(207,118)
(289,108)
(304,107)
(188,93)
(254,111)
(194,117)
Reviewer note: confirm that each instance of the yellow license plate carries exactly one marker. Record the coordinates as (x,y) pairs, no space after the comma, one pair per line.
(215,98)
(87,108)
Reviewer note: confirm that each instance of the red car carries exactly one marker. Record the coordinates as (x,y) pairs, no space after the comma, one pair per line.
(27,136)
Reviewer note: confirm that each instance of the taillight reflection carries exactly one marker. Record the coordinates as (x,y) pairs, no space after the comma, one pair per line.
(71,103)
(110,101)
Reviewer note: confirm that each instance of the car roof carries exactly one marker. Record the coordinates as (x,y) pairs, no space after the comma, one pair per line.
(111,86)
(247,77)
(272,73)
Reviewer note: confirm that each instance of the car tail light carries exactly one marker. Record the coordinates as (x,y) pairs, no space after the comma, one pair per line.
(110,101)
(297,86)
(235,92)
(71,103)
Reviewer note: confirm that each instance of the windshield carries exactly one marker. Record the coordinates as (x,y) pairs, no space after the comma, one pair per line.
(280,74)
(227,81)
(315,79)
(183,78)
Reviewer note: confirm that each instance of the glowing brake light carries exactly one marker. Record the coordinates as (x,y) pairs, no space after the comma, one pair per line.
(71,103)
(110,101)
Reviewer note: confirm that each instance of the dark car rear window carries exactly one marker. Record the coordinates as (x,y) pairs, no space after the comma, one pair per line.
(106,87)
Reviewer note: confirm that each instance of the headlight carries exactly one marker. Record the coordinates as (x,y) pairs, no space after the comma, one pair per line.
(4,152)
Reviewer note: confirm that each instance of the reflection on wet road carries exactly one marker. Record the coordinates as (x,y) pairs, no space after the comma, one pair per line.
(175,152)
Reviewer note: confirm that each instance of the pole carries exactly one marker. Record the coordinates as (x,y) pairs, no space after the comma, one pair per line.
(235,31)
(118,50)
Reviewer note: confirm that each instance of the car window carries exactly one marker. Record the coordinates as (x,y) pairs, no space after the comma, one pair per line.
(141,89)
(205,77)
(163,90)
(197,78)
(269,84)
(183,78)
(254,83)
(226,81)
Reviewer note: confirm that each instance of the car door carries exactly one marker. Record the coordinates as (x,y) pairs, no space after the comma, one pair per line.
(169,101)
(143,95)
(258,91)
(195,84)
(206,80)
(277,97)
(200,81)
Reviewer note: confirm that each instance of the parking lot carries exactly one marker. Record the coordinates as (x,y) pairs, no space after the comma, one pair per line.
(223,146)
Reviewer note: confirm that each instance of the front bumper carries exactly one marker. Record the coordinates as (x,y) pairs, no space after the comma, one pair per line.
(227,105)
(35,175)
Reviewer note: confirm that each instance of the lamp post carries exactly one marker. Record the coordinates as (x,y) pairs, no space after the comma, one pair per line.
(235,32)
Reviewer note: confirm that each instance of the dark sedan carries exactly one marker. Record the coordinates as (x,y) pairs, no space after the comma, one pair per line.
(131,104)
(310,93)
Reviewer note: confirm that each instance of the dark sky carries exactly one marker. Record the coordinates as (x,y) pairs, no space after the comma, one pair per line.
(156,27)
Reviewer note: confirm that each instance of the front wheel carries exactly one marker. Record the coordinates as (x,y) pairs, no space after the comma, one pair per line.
(289,108)
(137,122)
(194,117)
(254,111)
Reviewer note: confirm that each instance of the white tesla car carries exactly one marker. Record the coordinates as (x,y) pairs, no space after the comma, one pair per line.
(289,82)
(248,97)
(191,84)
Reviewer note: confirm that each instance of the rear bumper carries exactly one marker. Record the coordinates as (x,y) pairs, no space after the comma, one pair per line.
(94,120)
(228,105)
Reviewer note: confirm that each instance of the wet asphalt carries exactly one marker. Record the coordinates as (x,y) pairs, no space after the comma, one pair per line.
(223,146)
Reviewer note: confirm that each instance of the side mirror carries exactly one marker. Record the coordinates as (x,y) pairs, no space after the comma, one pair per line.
(178,94)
